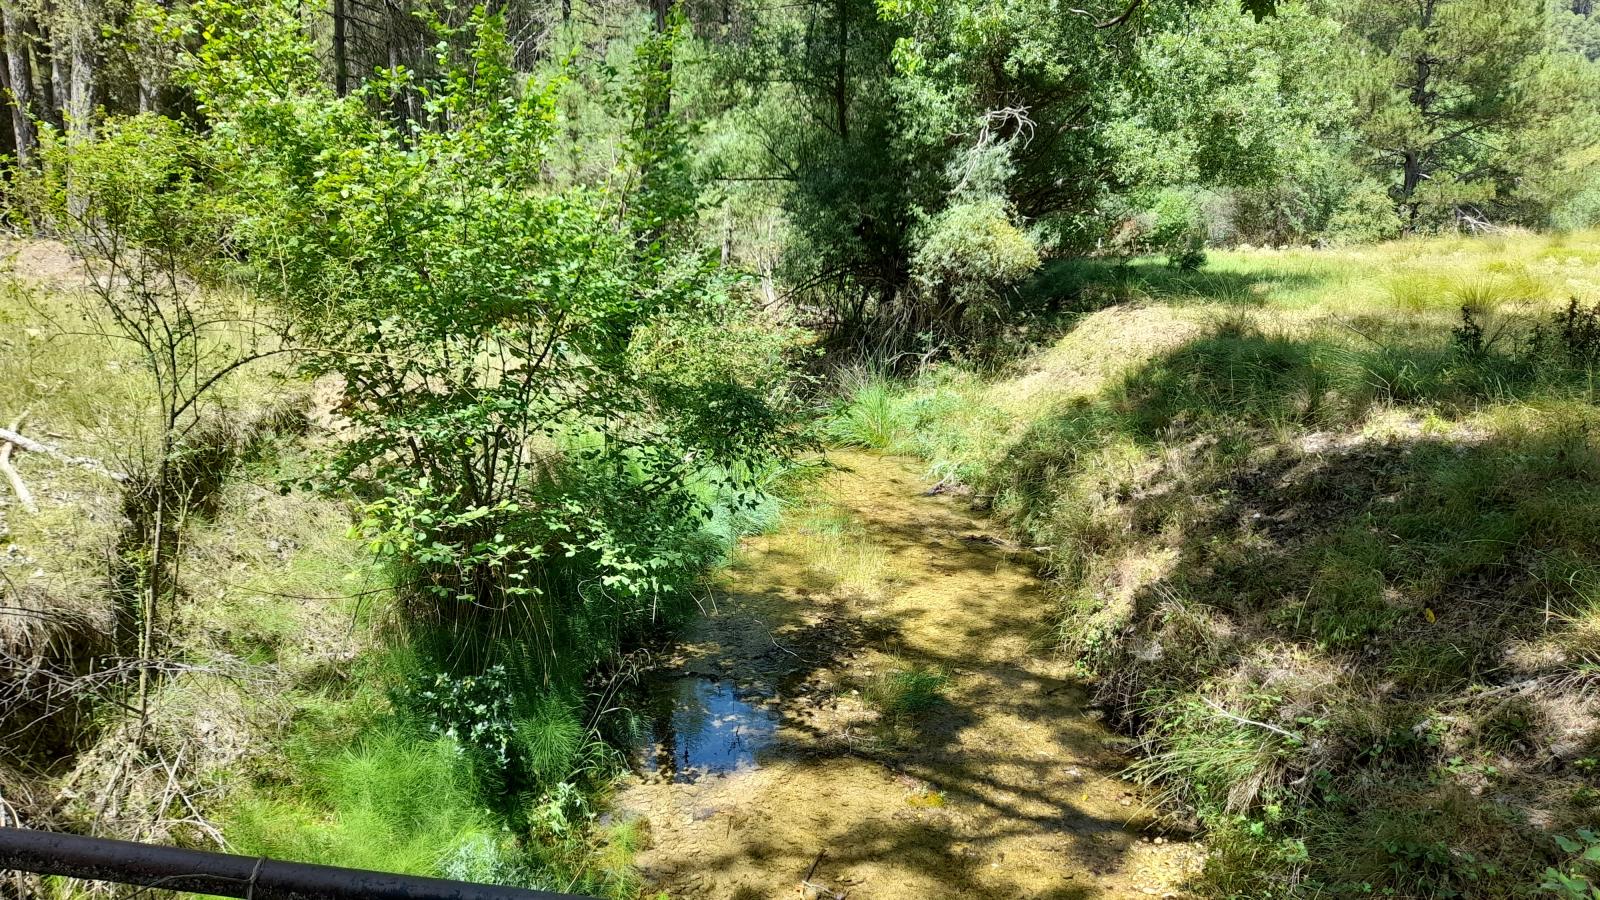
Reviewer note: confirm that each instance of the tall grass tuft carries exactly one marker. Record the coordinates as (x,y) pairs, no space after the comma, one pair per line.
(871,413)
(906,690)
(392,803)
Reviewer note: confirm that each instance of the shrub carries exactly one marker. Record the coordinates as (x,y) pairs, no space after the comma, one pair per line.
(1178,229)
(969,258)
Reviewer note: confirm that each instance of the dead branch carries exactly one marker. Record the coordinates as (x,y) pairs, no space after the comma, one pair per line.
(1122,19)
(33,446)
(18,486)
(1243,721)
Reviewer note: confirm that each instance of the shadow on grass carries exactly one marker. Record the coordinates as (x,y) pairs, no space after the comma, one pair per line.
(1332,635)
(1083,285)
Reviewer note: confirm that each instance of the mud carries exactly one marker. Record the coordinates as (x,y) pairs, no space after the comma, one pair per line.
(766,763)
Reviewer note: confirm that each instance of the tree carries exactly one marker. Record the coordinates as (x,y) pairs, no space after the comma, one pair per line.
(19,80)
(1440,87)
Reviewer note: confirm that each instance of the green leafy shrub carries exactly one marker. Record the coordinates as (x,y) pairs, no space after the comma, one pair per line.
(1178,229)
(1579,877)
(971,256)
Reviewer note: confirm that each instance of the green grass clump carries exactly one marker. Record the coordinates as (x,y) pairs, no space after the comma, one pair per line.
(906,690)
(392,803)
(870,414)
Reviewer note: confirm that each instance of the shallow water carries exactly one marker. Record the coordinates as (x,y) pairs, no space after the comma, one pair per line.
(699,726)
(767,767)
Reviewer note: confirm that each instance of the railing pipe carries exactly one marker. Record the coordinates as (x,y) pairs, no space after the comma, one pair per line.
(228,875)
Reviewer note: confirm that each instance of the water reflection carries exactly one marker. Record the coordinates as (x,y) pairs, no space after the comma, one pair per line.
(698,726)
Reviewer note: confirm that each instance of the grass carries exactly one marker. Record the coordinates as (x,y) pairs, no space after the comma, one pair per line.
(836,550)
(905,690)
(1334,570)
(868,416)
(278,725)
(904,695)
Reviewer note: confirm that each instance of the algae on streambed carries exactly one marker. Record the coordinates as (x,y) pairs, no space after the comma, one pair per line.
(765,753)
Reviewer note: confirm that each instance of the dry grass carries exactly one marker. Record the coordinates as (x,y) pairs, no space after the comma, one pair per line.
(837,550)
(270,599)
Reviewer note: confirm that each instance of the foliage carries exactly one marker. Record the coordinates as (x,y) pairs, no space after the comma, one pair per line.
(484,326)
(134,203)
(1576,879)
(1433,83)
(972,253)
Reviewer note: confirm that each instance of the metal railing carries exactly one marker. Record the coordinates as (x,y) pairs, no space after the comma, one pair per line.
(228,875)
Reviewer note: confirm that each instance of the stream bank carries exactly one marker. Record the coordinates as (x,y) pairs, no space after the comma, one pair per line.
(766,761)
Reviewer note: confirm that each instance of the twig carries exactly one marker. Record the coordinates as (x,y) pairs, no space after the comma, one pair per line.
(1514,687)
(814,863)
(1243,721)
(33,446)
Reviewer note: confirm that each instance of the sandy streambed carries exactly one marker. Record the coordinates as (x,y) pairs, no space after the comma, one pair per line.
(765,763)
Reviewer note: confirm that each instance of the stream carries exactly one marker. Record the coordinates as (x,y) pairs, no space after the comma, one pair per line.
(766,772)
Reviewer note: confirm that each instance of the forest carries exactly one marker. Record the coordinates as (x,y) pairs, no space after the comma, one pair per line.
(745,448)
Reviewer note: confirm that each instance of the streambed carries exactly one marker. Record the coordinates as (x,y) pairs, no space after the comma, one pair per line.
(766,762)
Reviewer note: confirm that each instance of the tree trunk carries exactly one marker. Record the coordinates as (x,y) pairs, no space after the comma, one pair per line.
(1414,159)
(58,75)
(52,89)
(841,99)
(663,108)
(80,105)
(8,138)
(20,81)
(1410,179)
(80,44)
(341,64)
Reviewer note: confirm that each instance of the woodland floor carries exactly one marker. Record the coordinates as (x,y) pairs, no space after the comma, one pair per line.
(766,756)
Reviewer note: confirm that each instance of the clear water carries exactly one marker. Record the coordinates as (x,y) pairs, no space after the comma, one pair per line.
(699,726)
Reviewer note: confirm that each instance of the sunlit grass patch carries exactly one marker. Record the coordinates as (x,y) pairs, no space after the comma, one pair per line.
(838,549)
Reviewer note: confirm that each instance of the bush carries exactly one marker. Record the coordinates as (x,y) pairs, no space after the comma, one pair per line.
(969,258)
(1178,228)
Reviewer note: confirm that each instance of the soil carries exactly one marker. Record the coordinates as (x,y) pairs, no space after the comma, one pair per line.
(769,776)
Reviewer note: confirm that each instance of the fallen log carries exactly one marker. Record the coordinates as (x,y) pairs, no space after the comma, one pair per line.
(18,486)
